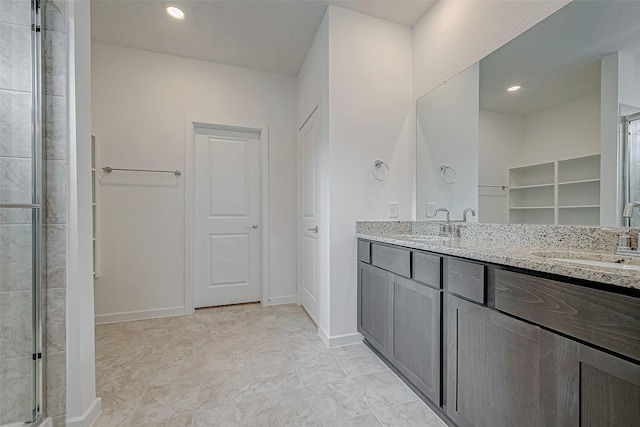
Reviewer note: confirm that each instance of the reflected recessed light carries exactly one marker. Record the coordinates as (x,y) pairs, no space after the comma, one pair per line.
(514,88)
(175,12)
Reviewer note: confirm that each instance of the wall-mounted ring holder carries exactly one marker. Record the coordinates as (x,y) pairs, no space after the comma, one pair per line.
(380,170)
(448,174)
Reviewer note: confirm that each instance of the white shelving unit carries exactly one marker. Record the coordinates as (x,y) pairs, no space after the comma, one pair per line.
(560,192)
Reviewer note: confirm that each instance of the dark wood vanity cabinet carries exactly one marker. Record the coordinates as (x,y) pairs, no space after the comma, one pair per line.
(501,371)
(400,317)
(416,334)
(374,308)
(519,350)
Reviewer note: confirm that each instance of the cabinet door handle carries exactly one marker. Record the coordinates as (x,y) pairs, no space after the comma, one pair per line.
(313,230)
(253,226)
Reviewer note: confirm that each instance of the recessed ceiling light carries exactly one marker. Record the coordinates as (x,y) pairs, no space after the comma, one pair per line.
(175,12)
(514,88)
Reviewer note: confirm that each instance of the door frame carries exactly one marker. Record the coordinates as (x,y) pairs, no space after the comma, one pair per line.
(193,123)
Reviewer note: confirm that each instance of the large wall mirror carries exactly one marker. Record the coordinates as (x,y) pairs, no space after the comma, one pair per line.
(545,130)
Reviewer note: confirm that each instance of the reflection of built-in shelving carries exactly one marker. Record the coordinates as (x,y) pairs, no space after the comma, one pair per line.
(532,194)
(560,192)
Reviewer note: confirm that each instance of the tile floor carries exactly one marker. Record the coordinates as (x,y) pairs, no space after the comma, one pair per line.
(244,365)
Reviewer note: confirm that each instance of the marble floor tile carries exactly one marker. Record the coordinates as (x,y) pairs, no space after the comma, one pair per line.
(288,410)
(222,389)
(319,369)
(181,419)
(412,414)
(367,420)
(244,366)
(335,401)
(235,415)
(383,389)
(162,403)
(278,378)
(357,360)
(302,348)
(129,374)
(111,418)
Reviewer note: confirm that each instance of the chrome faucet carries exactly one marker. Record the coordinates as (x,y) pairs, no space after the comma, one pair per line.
(464,214)
(446,230)
(628,209)
(445,211)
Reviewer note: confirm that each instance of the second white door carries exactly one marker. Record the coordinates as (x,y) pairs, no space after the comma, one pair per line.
(228,221)
(309,216)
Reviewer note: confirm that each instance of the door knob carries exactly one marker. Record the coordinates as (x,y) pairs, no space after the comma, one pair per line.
(313,230)
(254,226)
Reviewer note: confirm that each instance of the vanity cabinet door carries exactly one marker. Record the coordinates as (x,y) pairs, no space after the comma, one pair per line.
(598,389)
(416,334)
(500,371)
(374,306)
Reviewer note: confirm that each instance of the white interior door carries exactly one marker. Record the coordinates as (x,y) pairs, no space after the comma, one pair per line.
(228,220)
(309,216)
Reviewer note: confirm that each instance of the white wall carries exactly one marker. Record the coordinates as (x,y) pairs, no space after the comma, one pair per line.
(140,103)
(448,135)
(82,405)
(371,117)
(500,147)
(568,130)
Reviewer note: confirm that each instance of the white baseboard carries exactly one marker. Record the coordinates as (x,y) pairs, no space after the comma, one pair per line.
(89,417)
(139,315)
(339,340)
(291,299)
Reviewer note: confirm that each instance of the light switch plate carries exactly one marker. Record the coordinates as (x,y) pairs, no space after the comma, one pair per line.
(431,209)
(393,209)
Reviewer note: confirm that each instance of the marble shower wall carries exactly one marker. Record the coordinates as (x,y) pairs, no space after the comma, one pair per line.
(15,225)
(55,149)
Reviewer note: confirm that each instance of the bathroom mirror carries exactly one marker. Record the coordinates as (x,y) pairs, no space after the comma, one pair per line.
(541,130)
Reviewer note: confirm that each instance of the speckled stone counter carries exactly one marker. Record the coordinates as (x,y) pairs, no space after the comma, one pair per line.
(529,247)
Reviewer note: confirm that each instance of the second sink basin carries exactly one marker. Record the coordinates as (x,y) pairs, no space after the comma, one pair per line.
(618,262)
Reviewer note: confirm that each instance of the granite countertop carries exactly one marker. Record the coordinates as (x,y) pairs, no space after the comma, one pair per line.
(522,256)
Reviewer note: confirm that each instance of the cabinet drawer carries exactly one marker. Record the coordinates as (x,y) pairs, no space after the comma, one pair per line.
(364,251)
(602,318)
(426,269)
(391,259)
(466,279)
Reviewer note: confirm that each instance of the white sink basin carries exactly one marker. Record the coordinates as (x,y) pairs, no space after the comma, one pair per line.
(618,262)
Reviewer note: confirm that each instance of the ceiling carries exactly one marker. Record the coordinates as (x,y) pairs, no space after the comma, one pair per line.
(265,35)
(558,60)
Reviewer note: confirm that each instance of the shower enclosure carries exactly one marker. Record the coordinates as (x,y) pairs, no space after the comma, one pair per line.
(632,163)
(21,207)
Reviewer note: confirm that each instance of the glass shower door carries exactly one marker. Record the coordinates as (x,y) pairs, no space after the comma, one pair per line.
(20,213)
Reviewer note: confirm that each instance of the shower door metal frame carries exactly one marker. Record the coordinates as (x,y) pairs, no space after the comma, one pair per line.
(36,210)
